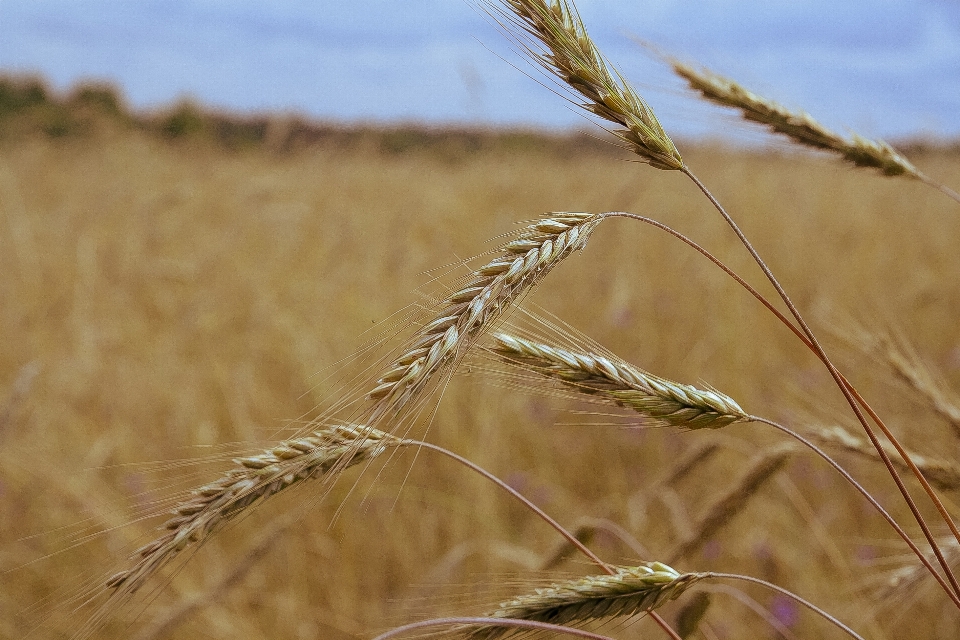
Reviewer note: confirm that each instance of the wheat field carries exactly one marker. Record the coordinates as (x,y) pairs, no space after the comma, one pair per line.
(168,304)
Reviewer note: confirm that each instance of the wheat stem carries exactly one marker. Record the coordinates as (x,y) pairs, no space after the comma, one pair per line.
(866,494)
(806,603)
(850,394)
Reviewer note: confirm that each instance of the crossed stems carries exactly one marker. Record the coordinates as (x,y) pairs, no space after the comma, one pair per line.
(853,397)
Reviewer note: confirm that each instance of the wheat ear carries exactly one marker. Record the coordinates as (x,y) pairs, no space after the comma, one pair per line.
(656,399)
(944,474)
(253,480)
(628,591)
(797,125)
(536,250)
(494,287)
(568,53)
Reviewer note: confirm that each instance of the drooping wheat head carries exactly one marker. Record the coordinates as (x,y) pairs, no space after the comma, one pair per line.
(629,591)
(566,51)
(799,126)
(655,399)
(251,481)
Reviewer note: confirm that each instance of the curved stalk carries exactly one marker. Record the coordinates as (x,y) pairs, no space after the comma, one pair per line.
(866,494)
(806,603)
(540,512)
(810,345)
(849,396)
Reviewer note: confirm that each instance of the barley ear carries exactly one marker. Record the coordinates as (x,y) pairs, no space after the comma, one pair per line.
(567,52)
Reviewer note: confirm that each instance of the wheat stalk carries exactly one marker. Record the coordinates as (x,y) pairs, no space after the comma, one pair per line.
(797,125)
(568,53)
(628,591)
(945,474)
(656,399)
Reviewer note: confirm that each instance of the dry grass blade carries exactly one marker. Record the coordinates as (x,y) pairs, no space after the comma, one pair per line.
(909,368)
(944,474)
(903,584)
(764,467)
(797,125)
(657,400)
(568,53)
(469,311)
(253,480)
(628,591)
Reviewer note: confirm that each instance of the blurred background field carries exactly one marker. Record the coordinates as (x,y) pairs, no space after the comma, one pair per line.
(181,285)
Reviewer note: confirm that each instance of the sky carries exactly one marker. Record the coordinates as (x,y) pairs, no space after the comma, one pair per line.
(887,68)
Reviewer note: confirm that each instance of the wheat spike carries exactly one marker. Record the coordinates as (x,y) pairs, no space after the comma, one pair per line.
(493,288)
(251,481)
(797,125)
(658,400)
(944,474)
(568,53)
(629,591)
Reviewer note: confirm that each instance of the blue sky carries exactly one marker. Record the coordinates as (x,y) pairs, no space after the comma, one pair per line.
(889,68)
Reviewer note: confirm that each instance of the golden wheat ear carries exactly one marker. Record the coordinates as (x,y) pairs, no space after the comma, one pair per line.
(657,400)
(630,590)
(566,51)
(799,126)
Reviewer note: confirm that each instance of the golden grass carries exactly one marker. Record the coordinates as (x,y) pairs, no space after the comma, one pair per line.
(177,298)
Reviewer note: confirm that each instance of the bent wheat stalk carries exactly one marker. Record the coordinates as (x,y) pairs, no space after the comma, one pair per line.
(558,27)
